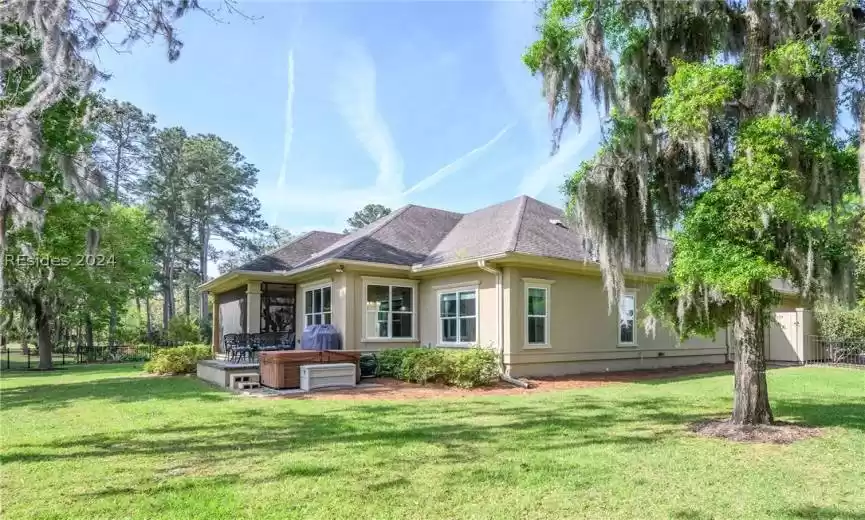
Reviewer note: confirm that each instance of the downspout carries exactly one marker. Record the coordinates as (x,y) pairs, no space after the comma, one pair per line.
(500,306)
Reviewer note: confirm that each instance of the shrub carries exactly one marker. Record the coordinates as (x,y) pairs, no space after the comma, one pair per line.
(467,368)
(840,324)
(473,367)
(177,360)
(183,329)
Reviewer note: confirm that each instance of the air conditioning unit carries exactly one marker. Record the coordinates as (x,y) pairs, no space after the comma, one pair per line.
(331,375)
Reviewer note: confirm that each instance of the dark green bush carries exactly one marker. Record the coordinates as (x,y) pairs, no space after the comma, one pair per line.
(466,368)
(177,360)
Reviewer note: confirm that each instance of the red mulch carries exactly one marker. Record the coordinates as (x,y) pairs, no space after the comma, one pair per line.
(397,390)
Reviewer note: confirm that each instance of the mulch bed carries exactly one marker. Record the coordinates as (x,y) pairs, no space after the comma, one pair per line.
(398,390)
(778,433)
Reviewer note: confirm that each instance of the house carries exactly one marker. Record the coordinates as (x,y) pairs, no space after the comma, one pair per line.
(510,276)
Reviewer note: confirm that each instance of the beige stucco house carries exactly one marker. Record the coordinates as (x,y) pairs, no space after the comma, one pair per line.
(510,276)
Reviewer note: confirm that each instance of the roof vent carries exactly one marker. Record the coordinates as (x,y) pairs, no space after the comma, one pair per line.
(557,222)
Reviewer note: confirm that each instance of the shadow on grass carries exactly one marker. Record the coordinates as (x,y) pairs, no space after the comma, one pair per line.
(111,389)
(70,368)
(472,426)
(823,513)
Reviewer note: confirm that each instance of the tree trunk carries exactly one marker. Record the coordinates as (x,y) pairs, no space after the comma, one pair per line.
(167,291)
(4,211)
(43,332)
(149,319)
(112,325)
(187,306)
(751,399)
(88,330)
(862,145)
(204,236)
(754,96)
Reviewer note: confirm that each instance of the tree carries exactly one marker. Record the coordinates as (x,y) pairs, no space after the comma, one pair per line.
(44,50)
(220,198)
(122,131)
(720,129)
(271,238)
(365,216)
(163,188)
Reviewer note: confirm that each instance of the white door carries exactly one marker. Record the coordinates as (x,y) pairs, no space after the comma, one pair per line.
(783,337)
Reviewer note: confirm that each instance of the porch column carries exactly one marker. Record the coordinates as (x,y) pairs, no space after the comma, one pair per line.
(253,307)
(215,334)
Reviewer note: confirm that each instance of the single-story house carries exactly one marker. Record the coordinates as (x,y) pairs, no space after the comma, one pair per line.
(510,276)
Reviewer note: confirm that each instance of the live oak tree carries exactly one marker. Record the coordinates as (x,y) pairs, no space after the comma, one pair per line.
(720,130)
(366,215)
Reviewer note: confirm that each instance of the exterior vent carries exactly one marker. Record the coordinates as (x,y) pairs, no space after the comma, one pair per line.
(557,222)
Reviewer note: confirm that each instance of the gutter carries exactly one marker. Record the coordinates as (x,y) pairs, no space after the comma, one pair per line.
(500,306)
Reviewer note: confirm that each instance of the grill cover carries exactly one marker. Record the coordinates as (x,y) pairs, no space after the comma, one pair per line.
(320,337)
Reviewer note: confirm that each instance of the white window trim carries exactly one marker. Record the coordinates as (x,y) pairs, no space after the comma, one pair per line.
(391,282)
(632,293)
(546,285)
(438,315)
(320,284)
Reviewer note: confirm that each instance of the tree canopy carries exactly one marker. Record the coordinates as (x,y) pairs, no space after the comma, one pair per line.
(722,129)
(365,216)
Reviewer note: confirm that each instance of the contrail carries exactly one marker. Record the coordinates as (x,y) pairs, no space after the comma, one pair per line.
(289,122)
(445,171)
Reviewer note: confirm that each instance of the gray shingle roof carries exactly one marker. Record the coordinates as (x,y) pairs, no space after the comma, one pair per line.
(417,235)
(293,253)
(405,237)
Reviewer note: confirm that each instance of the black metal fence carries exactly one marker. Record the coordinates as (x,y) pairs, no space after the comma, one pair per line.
(15,357)
(825,351)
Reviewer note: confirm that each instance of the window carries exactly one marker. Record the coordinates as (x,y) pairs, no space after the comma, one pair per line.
(389,311)
(458,316)
(537,315)
(317,309)
(627,317)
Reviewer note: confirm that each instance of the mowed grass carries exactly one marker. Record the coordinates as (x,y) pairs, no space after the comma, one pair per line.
(104,442)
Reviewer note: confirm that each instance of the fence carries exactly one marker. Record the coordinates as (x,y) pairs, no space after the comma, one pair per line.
(23,358)
(825,351)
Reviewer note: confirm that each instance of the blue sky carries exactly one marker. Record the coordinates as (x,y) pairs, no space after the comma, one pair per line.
(344,103)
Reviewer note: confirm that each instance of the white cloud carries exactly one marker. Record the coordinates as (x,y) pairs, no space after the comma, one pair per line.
(552,170)
(355,97)
(289,123)
(456,165)
(513,30)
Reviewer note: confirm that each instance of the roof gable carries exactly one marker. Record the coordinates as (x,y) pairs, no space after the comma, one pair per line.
(293,253)
(405,237)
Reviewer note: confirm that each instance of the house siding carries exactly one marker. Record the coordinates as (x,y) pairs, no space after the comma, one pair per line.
(486,305)
(584,331)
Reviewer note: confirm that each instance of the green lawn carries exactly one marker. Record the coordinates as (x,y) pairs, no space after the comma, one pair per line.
(103,442)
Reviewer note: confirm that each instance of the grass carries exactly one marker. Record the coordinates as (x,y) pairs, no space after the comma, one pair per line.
(103,442)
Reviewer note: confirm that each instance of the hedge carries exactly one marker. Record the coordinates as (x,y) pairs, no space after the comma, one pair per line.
(178,360)
(465,368)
